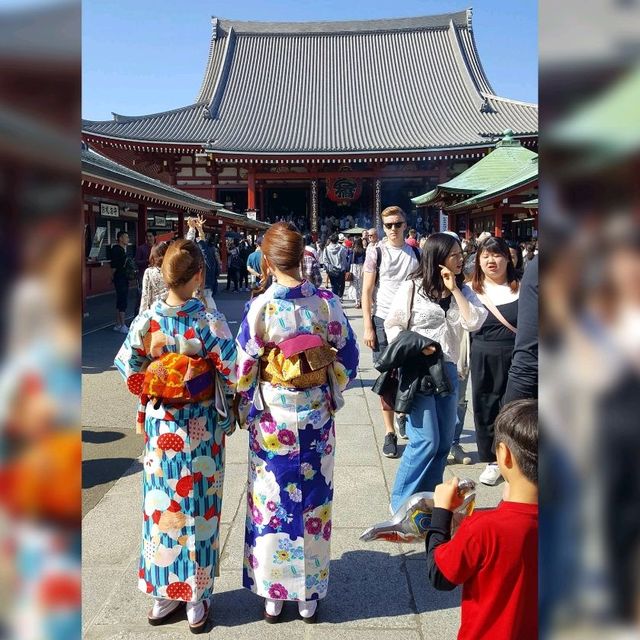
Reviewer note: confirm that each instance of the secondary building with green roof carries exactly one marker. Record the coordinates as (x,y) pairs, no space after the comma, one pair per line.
(495,194)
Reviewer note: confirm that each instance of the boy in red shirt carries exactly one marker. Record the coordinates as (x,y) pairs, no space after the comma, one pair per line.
(494,554)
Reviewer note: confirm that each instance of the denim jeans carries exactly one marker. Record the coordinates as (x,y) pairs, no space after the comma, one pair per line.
(462,408)
(430,427)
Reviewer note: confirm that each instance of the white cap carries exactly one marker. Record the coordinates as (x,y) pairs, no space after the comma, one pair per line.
(341,236)
(484,235)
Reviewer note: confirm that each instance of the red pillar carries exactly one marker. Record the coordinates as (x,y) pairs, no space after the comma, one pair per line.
(498,224)
(214,185)
(443,172)
(251,189)
(261,200)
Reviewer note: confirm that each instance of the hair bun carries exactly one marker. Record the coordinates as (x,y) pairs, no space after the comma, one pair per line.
(181,262)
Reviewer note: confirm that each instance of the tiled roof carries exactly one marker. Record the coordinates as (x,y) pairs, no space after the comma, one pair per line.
(409,84)
(98,166)
(526,176)
(506,160)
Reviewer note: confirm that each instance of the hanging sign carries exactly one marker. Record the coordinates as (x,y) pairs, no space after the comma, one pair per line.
(344,189)
(109,210)
(251,214)
(444,221)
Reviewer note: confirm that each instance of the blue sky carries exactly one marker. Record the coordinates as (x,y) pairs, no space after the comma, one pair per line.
(145,56)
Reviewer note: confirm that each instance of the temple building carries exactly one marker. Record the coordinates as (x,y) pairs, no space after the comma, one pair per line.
(318,120)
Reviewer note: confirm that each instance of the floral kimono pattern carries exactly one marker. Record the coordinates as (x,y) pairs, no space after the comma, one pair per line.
(291,444)
(184,453)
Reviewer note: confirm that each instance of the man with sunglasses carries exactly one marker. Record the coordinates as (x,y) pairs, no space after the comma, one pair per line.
(386,266)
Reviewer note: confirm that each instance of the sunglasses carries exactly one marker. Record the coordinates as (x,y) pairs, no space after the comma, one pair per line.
(393,225)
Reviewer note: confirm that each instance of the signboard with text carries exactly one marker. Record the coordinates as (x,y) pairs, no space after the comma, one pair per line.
(109,210)
(444,221)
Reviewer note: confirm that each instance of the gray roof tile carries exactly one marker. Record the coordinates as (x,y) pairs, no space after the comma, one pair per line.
(411,84)
(97,166)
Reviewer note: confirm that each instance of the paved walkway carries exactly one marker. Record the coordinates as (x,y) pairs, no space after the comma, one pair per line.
(377,590)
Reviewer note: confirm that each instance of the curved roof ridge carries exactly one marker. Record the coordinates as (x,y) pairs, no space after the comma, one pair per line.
(471,53)
(223,74)
(522,103)
(438,21)
(469,78)
(118,117)
(208,69)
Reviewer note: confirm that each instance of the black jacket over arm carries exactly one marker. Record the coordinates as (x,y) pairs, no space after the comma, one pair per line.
(415,372)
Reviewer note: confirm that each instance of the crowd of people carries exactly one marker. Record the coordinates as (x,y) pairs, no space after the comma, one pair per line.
(438,312)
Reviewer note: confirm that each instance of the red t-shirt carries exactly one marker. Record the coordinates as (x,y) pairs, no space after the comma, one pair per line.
(494,555)
(413,242)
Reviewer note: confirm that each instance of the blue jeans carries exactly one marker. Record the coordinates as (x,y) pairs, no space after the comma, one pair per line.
(462,408)
(430,427)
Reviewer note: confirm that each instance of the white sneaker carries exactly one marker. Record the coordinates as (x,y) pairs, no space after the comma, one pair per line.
(117,327)
(491,474)
(124,329)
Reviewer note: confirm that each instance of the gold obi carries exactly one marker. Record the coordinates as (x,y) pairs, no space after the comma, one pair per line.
(300,371)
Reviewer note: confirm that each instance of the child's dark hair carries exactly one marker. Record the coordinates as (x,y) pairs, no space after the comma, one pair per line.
(517,427)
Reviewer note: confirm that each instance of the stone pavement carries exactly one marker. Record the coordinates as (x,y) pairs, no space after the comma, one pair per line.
(377,590)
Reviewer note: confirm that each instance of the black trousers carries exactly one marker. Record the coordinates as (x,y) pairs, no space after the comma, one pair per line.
(337,284)
(232,276)
(244,278)
(121,285)
(490,362)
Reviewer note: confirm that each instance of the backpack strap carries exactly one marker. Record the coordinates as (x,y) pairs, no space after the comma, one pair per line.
(378,263)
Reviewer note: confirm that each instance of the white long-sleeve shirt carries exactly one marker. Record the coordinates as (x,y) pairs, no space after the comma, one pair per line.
(429,319)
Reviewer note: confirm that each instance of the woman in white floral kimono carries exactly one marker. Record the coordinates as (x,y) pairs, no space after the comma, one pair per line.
(287,399)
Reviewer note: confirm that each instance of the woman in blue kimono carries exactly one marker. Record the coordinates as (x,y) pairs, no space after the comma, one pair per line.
(184,443)
(296,354)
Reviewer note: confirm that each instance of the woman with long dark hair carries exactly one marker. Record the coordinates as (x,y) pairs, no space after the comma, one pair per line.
(496,284)
(296,354)
(433,303)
